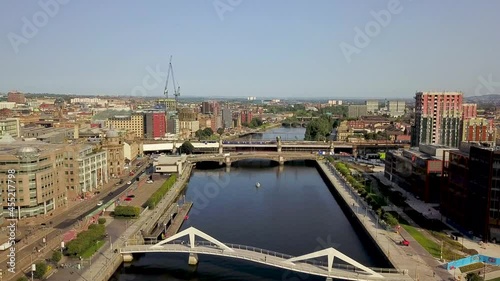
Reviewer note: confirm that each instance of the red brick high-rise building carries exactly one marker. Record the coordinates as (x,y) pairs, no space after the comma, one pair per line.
(438,117)
(155,125)
(246,116)
(16,97)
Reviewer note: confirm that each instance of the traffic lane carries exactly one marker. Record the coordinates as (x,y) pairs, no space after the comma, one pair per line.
(70,221)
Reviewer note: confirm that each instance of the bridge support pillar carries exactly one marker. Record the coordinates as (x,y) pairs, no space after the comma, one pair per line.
(127,257)
(281,161)
(221,147)
(227,160)
(193,259)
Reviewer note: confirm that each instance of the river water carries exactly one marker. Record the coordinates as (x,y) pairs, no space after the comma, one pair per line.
(293,212)
(286,134)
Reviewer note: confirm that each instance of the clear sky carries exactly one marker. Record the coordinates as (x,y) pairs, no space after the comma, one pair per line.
(263,48)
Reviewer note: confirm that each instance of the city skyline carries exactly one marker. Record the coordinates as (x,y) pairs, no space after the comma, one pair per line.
(242,48)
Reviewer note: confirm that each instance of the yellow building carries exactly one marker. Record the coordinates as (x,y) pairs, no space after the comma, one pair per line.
(134,123)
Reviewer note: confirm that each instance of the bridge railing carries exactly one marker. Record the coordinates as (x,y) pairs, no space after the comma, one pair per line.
(207,244)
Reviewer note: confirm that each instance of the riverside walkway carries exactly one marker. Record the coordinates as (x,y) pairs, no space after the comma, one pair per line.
(305,264)
(412,258)
(109,260)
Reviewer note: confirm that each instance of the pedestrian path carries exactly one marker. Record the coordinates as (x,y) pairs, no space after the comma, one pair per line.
(419,263)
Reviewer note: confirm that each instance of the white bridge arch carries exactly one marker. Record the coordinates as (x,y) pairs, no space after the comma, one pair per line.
(305,263)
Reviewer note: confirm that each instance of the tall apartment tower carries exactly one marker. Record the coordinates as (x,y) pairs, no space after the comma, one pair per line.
(438,117)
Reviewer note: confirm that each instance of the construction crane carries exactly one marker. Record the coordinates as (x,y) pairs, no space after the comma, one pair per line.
(177,88)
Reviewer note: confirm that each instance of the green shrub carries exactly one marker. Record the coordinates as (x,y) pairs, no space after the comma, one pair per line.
(56,256)
(127,211)
(23,278)
(86,239)
(101,221)
(41,270)
(158,195)
(392,221)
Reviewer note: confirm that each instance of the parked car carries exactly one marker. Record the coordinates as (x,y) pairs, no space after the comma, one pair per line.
(129,182)
(131,196)
(100,203)
(128,199)
(405,242)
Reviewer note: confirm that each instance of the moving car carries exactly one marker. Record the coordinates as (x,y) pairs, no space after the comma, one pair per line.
(129,182)
(100,203)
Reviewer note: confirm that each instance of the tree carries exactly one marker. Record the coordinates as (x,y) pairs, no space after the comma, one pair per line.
(220,131)
(208,132)
(256,122)
(41,270)
(318,129)
(187,148)
(101,220)
(56,256)
(473,276)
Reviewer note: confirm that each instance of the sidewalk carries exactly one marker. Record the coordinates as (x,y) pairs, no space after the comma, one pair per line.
(414,258)
(488,249)
(106,263)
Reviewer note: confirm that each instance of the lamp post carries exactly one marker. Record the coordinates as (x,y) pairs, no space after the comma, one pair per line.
(33,269)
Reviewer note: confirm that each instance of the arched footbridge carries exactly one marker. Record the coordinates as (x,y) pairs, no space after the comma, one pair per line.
(348,270)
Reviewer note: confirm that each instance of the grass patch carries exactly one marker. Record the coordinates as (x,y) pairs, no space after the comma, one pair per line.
(471,267)
(430,245)
(496,279)
(91,250)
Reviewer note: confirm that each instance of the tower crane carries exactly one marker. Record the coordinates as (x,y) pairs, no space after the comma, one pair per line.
(177,88)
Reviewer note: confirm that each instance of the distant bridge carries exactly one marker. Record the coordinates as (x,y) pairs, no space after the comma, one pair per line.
(276,146)
(348,270)
(228,158)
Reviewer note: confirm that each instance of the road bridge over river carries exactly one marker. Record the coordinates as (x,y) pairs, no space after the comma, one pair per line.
(348,270)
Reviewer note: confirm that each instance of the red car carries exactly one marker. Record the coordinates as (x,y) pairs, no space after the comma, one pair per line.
(405,242)
(128,199)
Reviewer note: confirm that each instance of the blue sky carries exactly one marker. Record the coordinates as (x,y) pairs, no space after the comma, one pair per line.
(263,48)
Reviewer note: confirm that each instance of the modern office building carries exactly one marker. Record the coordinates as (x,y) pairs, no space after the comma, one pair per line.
(438,117)
(155,125)
(10,126)
(39,177)
(470,196)
(372,106)
(173,126)
(356,111)
(134,123)
(417,170)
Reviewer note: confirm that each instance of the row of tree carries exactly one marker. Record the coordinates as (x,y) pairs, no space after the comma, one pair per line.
(158,195)
(86,240)
(127,211)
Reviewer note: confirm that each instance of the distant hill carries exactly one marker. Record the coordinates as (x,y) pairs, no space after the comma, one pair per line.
(485,99)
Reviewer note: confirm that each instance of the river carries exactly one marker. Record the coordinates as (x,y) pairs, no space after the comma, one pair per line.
(286,134)
(293,212)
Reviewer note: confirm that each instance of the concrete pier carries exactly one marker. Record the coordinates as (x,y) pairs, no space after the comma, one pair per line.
(193,259)
(179,219)
(127,257)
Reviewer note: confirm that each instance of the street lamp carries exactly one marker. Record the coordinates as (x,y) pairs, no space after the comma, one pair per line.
(33,269)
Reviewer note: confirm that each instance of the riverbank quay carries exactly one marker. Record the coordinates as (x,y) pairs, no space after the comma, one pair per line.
(411,258)
(105,264)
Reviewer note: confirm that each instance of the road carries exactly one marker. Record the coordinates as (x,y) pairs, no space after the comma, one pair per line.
(27,249)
